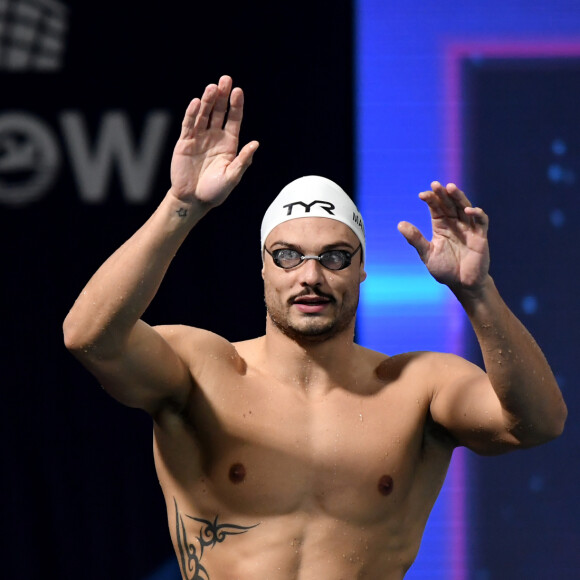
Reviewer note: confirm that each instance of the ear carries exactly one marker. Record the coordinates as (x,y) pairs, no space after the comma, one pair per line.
(263,263)
(362,274)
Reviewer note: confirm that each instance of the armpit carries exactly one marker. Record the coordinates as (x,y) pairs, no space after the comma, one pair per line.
(435,433)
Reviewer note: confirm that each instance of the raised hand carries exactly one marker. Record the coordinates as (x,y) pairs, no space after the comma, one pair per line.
(458,254)
(206,166)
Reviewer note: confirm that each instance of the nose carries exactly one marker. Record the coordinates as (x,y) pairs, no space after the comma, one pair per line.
(311,272)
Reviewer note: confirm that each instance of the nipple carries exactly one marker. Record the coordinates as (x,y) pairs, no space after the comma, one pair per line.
(385,485)
(237,473)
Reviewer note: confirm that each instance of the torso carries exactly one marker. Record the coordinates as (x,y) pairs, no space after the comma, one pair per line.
(288,485)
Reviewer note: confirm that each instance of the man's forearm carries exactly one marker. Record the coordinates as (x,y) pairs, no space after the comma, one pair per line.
(120,291)
(516,366)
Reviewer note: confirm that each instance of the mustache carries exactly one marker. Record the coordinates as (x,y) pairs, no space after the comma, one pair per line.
(311,292)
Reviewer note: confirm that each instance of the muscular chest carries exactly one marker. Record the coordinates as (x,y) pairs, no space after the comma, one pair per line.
(272,451)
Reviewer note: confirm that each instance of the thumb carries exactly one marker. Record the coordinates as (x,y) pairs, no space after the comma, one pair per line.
(239,165)
(415,238)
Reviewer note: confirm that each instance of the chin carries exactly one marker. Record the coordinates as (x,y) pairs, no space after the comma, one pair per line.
(314,328)
(309,330)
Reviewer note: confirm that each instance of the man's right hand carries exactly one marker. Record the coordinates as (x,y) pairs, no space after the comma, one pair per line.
(205,166)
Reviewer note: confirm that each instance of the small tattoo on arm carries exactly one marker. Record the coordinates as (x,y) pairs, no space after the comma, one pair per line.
(210,534)
(181,212)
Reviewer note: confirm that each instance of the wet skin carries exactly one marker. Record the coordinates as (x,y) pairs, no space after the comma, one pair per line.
(354,472)
(321,451)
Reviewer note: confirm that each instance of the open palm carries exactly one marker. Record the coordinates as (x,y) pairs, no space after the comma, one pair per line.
(206,166)
(458,253)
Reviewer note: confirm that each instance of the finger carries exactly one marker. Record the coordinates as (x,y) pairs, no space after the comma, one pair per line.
(415,238)
(458,196)
(435,203)
(479,218)
(238,166)
(447,203)
(453,201)
(207,103)
(473,217)
(218,114)
(235,113)
(189,119)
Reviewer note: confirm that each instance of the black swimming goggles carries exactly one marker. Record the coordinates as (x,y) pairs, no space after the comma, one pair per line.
(332,260)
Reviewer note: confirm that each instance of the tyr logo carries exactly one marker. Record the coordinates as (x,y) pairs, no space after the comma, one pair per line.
(326,206)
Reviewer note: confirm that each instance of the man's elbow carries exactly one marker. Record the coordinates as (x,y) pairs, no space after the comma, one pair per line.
(81,339)
(75,335)
(71,336)
(550,428)
(559,421)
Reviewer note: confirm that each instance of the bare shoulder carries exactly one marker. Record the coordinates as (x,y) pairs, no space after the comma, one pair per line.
(180,334)
(198,347)
(249,348)
(436,382)
(447,368)
(428,368)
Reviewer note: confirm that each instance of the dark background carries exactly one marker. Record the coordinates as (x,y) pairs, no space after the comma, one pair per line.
(80,495)
(522,164)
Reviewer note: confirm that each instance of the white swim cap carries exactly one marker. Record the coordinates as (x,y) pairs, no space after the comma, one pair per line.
(313,196)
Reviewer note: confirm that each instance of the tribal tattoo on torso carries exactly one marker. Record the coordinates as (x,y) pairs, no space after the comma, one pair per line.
(210,534)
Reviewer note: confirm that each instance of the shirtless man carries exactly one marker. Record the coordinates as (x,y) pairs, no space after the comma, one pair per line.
(300,454)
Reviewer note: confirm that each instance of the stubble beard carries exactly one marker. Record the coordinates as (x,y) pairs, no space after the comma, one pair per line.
(311,329)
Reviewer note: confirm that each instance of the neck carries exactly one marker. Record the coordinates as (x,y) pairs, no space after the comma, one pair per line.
(313,364)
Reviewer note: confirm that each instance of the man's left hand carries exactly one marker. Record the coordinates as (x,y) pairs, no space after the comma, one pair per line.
(458,254)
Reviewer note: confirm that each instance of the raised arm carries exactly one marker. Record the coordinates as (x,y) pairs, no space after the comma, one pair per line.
(517,402)
(139,365)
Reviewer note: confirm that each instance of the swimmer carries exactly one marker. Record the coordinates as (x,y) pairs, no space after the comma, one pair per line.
(300,454)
